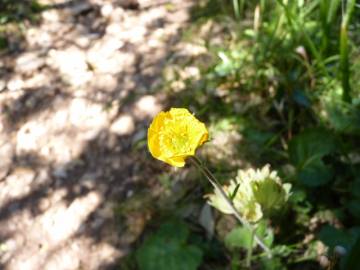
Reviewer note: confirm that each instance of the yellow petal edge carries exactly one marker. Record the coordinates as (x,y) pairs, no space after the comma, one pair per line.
(175,135)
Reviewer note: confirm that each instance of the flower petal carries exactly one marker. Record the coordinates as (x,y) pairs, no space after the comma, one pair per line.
(175,135)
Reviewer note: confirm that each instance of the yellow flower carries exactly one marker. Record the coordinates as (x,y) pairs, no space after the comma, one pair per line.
(174,135)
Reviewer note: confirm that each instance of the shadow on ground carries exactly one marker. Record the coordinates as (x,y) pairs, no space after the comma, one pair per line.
(76,100)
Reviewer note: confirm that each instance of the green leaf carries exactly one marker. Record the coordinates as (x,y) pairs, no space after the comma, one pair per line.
(297,196)
(310,143)
(306,151)
(265,233)
(353,262)
(232,196)
(332,237)
(300,97)
(344,117)
(354,208)
(282,251)
(239,237)
(355,188)
(355,232)
(271,264)
(315,173)
(258,136)
(226,66)
(167,249)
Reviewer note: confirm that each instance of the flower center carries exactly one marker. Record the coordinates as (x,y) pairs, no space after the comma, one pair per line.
(176,139)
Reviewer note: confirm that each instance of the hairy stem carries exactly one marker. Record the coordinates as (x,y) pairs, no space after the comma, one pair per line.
(194,160)
(250,249)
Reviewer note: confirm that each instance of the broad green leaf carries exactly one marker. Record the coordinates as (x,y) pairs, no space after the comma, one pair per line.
(315,173)
(300,97)
(297,196)
(311,143)
(355,188)
(345,117)
(174,232)
(167,249)
(332,237)
(355,232)
(352,260)
(258,136)
(306,152)
(239,237)
(354,208)
(271,264)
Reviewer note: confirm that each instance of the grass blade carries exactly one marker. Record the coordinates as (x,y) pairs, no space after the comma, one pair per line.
(237,10)
(344,51)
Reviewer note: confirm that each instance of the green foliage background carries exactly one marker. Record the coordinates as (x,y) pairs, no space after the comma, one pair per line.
(284,75)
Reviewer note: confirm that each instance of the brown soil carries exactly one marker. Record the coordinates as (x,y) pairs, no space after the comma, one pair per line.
(77,93)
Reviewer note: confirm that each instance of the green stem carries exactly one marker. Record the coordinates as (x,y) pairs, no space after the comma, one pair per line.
(250,249)
(194,160)
(344,51)
(236,6)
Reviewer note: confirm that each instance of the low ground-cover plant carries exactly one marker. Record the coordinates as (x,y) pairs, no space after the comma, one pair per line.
(283,76)
(174,136)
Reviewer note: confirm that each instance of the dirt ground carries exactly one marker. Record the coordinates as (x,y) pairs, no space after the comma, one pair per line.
(76,96)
